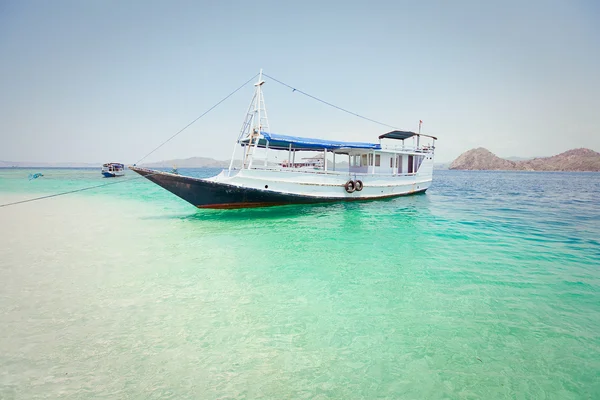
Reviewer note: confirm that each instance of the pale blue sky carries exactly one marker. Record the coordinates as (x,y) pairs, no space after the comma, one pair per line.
(109,80)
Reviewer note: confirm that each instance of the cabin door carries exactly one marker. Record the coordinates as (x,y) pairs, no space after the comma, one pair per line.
(399,161)
(410,164)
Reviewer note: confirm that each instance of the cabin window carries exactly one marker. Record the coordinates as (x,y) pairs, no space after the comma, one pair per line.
(418,161)
(370,160)
(364,160)
(391,162)
(399,161)
(410,164)
(377,160)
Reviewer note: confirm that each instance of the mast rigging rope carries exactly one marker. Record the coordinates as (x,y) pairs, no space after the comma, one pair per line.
(329,104)
(202,115)
(126,180)
(190,124)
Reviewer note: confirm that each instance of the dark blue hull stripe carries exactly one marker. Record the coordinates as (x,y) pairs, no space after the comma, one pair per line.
(206,194)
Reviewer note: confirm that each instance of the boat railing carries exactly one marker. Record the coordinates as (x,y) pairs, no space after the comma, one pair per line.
(332,172)
(408,149)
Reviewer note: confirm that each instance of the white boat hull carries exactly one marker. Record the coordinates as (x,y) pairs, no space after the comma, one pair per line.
(264,187)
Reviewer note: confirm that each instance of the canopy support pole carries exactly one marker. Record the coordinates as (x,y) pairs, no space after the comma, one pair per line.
(267,154)
(243,157)
(232,157)
(373,160)
(349,163)
(325,159)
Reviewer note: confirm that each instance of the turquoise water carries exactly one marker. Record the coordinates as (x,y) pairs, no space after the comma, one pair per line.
(486,287)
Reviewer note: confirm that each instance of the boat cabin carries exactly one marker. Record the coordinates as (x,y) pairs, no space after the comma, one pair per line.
(113,167)
(391,156)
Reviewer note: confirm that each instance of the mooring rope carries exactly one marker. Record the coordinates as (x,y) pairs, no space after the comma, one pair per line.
(71,191)
(187,126)
(141,159)
(202,115)
(329,104)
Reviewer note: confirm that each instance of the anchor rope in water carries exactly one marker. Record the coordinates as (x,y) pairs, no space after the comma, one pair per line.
(329,104)
(71,191)
(139,177)
(190,124)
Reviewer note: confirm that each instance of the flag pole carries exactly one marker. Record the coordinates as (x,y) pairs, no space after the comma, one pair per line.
(420,122)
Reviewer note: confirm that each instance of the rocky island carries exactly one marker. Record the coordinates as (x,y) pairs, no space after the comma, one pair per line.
(572,160)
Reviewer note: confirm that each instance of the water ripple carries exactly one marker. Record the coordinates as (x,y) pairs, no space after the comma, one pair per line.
(486,287)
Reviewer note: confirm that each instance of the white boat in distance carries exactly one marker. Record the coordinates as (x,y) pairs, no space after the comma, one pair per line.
(112,170)
(388,168)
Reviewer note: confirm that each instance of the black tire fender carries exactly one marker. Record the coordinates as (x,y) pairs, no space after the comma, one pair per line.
(349,186)
(358,185)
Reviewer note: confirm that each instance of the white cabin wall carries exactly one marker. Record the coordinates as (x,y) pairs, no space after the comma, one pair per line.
(384,167)
(404,163)
(426,169)
(385,163)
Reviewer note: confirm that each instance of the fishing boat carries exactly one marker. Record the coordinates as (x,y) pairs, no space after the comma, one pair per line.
(112,170)
(391,167)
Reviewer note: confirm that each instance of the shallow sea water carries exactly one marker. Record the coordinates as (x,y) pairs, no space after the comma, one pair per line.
(486,287)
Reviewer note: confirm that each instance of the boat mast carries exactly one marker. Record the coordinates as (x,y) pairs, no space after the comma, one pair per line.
(255,121)
(259,122)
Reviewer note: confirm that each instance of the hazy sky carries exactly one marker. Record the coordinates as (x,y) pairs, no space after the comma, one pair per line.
(104,81)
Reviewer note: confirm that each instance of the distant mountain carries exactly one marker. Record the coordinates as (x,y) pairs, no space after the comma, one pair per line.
(33,164)
(572,160)
(519,158)
(192,162)
(480,158)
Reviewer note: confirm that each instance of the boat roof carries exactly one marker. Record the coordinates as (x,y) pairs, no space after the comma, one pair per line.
(282,142)
(401,135)
(113,163)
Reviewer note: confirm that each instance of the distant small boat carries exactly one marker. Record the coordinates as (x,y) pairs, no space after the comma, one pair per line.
(35,176)
(112,170)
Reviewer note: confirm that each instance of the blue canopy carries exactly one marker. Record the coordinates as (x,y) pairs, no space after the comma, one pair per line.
(283,142)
